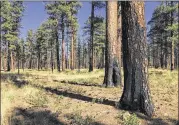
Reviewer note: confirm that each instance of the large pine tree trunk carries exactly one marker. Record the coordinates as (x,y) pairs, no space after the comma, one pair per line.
(119,41)
(112,72)
(91,39)
(136,95)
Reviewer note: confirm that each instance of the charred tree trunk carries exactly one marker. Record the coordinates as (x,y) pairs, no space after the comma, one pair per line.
(91,40)
(136,95)
(112,72)
(119,41)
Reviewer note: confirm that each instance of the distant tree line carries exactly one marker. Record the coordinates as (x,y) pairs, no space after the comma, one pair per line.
(163,36)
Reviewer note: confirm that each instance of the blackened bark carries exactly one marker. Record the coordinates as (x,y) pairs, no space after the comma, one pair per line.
(112,72)
(136,95)
(91,39)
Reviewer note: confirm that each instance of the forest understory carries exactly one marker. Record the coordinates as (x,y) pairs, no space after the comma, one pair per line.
(78,98)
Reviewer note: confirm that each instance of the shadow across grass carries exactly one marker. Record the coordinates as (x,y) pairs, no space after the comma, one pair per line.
(77,83)
(29,115)
(156,121)
(41,116)
(76,96)
(33,117)
(15,79)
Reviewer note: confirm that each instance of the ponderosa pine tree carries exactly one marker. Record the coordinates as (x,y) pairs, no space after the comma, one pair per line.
(94,5)
(112,72)
(17,13)
(6,27)
(73,25)
(11,17)
(136,94)
(52,10)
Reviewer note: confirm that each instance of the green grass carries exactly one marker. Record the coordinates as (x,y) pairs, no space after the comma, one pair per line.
(61,97)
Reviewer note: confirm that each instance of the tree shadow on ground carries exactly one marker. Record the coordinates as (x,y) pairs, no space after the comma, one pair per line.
(77,83)
(76,96)
(15,79)
(33,117)
(20,83)
(156,121)
(40,116)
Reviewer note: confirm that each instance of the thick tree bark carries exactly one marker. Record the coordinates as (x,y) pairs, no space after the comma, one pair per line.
(136,95)
(112,72)
(91,39)
(119,33)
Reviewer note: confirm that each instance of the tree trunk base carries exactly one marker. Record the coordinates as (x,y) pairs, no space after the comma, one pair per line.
(114,77)
(142,103)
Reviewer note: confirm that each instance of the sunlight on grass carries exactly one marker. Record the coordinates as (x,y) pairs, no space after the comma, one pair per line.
(66,91)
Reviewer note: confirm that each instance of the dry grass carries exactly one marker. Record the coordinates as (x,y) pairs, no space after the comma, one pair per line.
(72,97)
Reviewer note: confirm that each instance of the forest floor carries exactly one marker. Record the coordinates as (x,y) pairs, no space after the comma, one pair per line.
(77,98)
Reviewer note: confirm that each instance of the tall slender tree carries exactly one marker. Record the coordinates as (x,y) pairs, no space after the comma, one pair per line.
(94,5)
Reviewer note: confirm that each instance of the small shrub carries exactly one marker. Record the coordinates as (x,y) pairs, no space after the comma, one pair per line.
(131,120)
(77,119)
(36,98)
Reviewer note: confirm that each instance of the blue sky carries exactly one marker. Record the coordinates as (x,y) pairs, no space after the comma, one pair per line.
(35,14)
